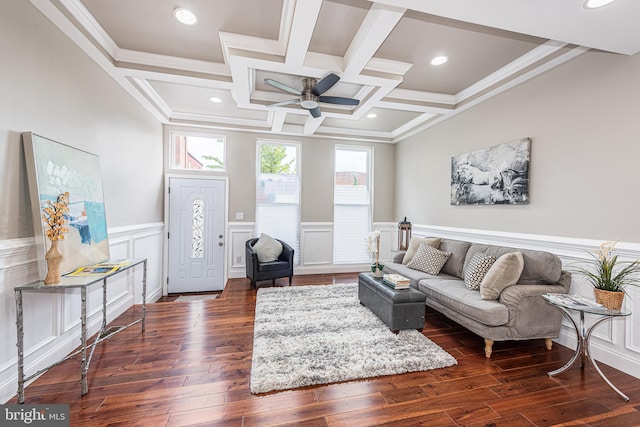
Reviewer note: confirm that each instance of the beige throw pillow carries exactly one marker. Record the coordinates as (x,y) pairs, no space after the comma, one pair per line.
(429,259)
(414,244)
(267,248)
(504,272)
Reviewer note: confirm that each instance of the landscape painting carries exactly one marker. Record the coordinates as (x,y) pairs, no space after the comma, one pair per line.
(495,175)
(52,169)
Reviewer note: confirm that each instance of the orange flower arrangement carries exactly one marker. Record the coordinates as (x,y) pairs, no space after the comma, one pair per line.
(53,216)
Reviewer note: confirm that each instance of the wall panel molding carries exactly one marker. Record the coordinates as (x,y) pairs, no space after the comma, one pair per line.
(616,342)
(18,266)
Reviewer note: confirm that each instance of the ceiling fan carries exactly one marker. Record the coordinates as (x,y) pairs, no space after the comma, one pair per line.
(311,94)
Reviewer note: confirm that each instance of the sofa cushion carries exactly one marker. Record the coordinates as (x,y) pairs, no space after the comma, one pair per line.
(476,269)
(452,293)
(414,244)
(267,248)
(538,267)
(504,272)
(455,264)
(414,276)
(428,259)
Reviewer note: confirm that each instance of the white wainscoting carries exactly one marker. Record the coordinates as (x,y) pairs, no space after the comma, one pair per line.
(52,320)
(316,248)
(615,343)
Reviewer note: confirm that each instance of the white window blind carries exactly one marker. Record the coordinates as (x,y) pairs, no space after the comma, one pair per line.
(352,205)
(278,193)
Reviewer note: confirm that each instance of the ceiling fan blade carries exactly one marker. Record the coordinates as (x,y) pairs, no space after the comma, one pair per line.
(325,84)
(315,112)
(283,103)
(339,100)
(282,87)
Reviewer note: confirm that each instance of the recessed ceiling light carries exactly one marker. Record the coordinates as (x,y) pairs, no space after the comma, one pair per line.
(185,16)
(371,116)
(439,60)
(215,100)
(594,4)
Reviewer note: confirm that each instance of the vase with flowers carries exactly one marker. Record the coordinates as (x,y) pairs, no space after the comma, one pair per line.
(53,215)
(609,277)
(373,246)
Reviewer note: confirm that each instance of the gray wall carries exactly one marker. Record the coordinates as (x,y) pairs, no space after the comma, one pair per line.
(49,86)
(317,174)
(583,121)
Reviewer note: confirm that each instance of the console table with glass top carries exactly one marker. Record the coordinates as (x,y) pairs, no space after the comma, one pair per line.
(82,283)
(584,334)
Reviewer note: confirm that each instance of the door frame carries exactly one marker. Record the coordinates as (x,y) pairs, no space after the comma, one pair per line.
(165,239)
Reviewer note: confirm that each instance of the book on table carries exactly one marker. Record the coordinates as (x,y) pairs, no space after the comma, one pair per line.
(574,300)
(396,281)
(101,268)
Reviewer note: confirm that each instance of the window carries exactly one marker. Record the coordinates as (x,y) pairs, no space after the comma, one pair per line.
(197,152)
(278,192)
(351,204)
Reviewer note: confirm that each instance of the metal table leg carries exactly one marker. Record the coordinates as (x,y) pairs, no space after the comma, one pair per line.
(582,350)
(83,319)
(20,345)
(579,348)
(595,365)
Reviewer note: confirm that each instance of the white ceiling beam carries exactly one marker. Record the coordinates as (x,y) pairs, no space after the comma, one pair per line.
(171,62)
(375,29)
(312,124)
(304,21)
(278,120)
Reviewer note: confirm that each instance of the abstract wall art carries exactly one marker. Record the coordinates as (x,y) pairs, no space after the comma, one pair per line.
(52,169)
(495,175)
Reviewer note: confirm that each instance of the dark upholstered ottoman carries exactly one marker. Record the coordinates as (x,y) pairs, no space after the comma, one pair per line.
(402,309)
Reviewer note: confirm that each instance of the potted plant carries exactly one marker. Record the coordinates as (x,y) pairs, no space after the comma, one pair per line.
(373,245)
(609,277)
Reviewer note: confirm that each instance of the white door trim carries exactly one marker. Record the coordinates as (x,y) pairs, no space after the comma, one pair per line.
(165,250)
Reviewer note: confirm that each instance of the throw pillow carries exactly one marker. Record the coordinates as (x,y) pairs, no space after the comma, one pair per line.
(414,244)
(428,259)
(477,269)
(267,248)
(504,272)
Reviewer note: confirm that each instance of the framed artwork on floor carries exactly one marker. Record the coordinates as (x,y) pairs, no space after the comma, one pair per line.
(52,169)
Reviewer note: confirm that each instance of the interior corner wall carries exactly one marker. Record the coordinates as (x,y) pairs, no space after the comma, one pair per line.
(50,87)
(582,118)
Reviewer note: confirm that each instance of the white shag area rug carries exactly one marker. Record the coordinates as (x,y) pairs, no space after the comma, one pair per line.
(320,334)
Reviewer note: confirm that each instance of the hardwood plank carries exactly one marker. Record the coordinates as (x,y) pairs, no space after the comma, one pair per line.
(192,366)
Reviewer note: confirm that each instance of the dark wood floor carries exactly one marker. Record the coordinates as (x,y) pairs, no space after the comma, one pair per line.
(192,366)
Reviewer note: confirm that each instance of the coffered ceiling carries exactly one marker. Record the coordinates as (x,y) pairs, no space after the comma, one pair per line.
(380,49)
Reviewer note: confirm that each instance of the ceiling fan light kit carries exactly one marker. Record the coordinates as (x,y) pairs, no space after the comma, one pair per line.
(310,96)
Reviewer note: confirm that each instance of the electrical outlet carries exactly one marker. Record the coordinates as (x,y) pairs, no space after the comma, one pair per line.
(239,215)
(238,259)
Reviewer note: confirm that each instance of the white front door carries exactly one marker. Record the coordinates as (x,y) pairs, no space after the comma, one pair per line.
(196,234)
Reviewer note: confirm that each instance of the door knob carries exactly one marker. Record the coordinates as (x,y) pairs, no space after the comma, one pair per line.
(220,244)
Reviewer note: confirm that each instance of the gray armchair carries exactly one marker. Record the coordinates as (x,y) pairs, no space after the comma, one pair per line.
(256,271)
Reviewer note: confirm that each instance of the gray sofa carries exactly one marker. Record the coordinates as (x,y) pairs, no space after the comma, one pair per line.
(519,313)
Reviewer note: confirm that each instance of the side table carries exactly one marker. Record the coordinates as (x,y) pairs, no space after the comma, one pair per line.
(82,283)
(584,334)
